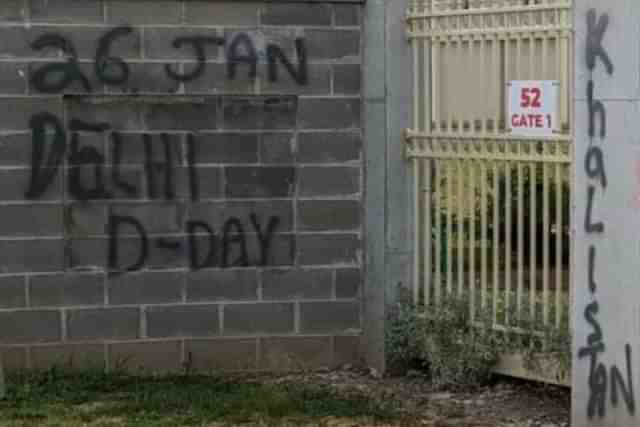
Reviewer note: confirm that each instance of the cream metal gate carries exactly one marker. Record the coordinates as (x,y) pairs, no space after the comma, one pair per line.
(491,210)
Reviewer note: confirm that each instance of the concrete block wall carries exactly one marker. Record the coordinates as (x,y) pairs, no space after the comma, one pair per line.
(181,184)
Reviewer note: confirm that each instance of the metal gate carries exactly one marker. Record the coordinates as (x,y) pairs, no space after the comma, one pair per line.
(491,210)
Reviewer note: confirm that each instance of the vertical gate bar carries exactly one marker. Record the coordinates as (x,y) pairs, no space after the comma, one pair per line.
(484,230)
(437,179)
(450,194)
(483,83)
(533,193)
(497,80)
(561,69)
(426,101)
(496,235)
(507,76)
(508,227)
(420,237)
(520,234)
(452,60)
(559,248)
(472,235)
(543,58)
(428,242)
(545,238)
(416,75)
(436,90)
(460,222)
(517,60)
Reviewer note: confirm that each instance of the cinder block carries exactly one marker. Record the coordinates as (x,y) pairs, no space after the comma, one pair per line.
(133,150)
(59,290)
(31,220)
(85,219)
(142,13)
(103,324)
(281,252)
(329,147)
(311,14)
(158,43)
(318,81)
(66,11)
(348,283)
(217,214)
(96,86)
(254,319)
(210,181)
(328,181)
(226,148)
(146,288)
(165,252)
(15,113)
(296,284)
(347,14)
(329,317)
(277,148)
(15,184)
(42,255)
(328,249)
(259,181)
(155,218)
(347,79)
(14,76)
(260,113)
(85,40)
(329,113)
(12,10)
(221,354)
(333,44)
(347,350)
(20,327)
(147,77)
(215,80)
(68,356)
(183,115)
(326,215)
(228,13)
(120,116)
(295,353)
(216,285)
(15,150)
(86,253)
(155,357)
(12,292)
(182,321)
(14,43)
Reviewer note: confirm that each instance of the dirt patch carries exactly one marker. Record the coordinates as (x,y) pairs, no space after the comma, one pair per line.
(506,402)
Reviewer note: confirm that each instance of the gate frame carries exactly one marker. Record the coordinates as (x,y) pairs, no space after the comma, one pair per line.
(420,143)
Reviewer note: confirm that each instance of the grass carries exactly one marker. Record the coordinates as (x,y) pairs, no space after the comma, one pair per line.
(97,399)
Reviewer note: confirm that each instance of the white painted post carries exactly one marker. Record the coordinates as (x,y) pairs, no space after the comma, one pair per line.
(606,368)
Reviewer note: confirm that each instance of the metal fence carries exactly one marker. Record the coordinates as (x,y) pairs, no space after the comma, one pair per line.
(491,210)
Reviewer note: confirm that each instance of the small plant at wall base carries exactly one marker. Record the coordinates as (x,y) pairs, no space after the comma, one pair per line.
(454,349)
(442,342)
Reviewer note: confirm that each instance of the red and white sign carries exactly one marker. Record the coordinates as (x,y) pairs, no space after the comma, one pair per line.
(533,107)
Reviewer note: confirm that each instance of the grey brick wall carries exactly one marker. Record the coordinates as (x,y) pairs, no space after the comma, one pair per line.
(182,185)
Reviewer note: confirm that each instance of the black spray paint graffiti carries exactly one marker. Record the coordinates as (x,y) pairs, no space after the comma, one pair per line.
(240,50)
(49,135)
(601,380)
(226,248)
